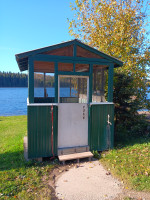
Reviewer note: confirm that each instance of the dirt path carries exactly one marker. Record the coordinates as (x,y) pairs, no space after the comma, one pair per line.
(90,181)
(87,181)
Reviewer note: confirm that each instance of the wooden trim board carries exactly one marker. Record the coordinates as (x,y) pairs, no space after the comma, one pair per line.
(75,156)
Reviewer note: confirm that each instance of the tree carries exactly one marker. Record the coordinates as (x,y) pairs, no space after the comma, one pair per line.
(8,79)
(127,120)
(118,28)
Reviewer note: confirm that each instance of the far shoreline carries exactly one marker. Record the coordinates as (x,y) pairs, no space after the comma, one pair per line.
(14,87)
(12,115)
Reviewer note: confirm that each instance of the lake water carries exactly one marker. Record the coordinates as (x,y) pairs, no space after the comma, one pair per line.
(13,101)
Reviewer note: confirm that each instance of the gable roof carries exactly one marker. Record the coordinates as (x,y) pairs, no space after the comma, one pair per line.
(22,58)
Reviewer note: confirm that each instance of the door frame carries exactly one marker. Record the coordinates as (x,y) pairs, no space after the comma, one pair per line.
(88,99)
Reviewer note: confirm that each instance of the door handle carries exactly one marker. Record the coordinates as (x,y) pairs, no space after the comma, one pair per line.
(83,112)
(109,123)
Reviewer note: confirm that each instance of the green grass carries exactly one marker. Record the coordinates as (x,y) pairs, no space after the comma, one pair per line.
(131,163)
(20,179)
(29,180)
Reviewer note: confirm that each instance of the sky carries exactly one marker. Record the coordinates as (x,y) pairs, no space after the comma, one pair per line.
(30,24)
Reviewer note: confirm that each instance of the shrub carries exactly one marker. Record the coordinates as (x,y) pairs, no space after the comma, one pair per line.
(127,101)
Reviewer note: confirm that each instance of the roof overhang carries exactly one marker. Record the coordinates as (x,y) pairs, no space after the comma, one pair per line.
(22,58)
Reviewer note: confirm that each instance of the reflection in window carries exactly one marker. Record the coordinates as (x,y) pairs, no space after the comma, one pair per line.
(44,87)
(99,79)
(38,84)
(73,90)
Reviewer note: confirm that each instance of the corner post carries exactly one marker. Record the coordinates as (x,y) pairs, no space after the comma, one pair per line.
(31,80)
(74,54)
(56,82)
(110,82)
(90,82)
(90,100)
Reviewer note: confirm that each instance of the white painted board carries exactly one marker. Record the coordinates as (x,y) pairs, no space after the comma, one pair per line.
(72,124)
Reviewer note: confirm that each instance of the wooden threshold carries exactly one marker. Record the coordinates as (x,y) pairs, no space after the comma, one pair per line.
(75,156)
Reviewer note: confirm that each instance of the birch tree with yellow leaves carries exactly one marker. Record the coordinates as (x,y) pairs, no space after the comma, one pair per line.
(118,28)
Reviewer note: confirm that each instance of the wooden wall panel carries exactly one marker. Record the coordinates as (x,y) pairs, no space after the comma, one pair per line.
(65,67)
(65,51)
(82,68)
(40,130)
(81,52)
(101,135)
(47,67)
(96,67)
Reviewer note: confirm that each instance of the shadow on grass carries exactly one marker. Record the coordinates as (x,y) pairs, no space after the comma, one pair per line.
(130,141)
(15,160)
(12,160)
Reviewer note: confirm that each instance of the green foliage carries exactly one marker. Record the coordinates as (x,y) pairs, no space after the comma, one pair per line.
(130,163)
(127,103)
(117,28)
(128,198)
(8,79)
(96,154)
(20,179)
(148,83)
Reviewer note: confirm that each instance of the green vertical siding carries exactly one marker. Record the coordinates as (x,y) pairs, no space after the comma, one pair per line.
(40,129)
(98,126)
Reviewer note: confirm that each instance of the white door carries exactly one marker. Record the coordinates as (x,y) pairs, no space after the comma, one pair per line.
(73,123)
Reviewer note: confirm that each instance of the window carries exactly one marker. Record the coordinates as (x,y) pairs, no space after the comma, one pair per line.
(99,86)
(73,89)
(44,87)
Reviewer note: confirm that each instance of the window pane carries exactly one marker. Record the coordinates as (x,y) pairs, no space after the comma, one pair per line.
(49,85)
(38,84)
(73,90)
(44,88)
(99,86)
(82,90)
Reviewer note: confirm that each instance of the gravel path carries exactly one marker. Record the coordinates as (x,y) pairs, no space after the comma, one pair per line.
(88,181)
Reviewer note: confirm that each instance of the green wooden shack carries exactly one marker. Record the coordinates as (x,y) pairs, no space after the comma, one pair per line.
(68,111)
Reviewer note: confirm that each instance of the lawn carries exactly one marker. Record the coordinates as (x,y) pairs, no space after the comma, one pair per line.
(20,179)
(131,163)
(29,180)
